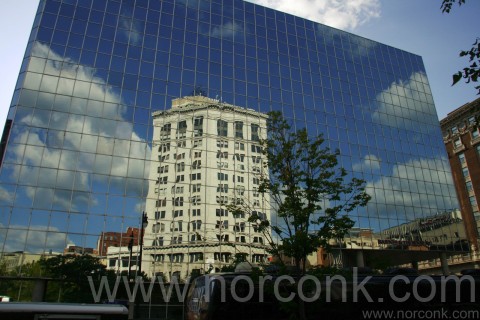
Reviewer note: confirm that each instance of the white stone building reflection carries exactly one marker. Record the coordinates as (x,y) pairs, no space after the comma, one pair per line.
(205,154)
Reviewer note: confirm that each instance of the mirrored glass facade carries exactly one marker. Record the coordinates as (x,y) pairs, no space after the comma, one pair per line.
(80,135)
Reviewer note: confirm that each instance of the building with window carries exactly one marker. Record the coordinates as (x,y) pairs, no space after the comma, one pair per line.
(117,239)
(123,260)
(205,155)
(461,135)
(91,134)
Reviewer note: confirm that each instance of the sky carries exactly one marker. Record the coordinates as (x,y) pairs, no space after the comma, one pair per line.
(415,26)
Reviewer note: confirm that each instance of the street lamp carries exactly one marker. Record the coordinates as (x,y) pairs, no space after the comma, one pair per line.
(130,247)
(144,225)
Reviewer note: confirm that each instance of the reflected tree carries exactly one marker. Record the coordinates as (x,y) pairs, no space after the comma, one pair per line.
(308,191)
(74,270)
(17,283)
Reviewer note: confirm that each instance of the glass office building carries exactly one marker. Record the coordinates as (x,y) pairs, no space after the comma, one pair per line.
(77,145)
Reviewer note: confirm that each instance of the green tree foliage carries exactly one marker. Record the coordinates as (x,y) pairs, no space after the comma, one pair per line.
(307,190)
(11,285)
(67,279)
(71,274)
(3,268)
(447,4)
(471,73)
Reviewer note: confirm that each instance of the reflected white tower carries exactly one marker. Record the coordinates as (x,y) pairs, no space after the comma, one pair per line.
(205,154)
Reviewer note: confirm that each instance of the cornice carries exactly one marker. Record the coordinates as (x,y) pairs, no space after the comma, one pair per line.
(197,106)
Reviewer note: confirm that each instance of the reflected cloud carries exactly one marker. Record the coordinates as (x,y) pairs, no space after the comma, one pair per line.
(5,195)
(34,240)
(195,4)
(360,47)
(405,93)
(140,207)
(415,185)
(335,13)
(131,29)
(85,135)
(370,163)
(69,75)
(227,30)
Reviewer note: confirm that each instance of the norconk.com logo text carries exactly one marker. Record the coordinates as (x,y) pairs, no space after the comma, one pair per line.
(285,288)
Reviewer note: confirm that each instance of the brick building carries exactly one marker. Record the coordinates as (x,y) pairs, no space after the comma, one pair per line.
(117,239)
(461,135)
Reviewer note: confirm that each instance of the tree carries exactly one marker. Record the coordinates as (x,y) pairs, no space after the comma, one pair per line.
(19,290)
(308,193)
(3,267)
(472,72)
(447,5)
(74,271)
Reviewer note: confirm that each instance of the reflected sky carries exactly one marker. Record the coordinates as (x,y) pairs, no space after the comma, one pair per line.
(78,155)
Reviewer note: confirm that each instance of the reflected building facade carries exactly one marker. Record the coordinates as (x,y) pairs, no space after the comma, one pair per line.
(206,154)
(79,148)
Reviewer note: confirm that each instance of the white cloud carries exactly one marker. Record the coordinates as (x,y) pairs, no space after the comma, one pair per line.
(227,30)
(5,195)
(140,207)
(37,239)
(335,13)
(85,135)
(417,185)
(370,163)
(131,29)
(407,94)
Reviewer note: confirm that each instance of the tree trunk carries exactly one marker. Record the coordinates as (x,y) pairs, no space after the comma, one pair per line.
(301,303)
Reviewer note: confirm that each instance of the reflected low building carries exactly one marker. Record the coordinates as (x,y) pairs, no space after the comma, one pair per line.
(14,262)
(123,260)
(441,230)
(408,243)
(117,239)
(77,250)
(360,239)
(80,146)
(206,154)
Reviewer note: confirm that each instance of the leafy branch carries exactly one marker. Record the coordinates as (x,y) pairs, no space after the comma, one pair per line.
(447,5)
(472,72)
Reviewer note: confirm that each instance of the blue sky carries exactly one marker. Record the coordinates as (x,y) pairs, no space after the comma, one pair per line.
(415,26)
